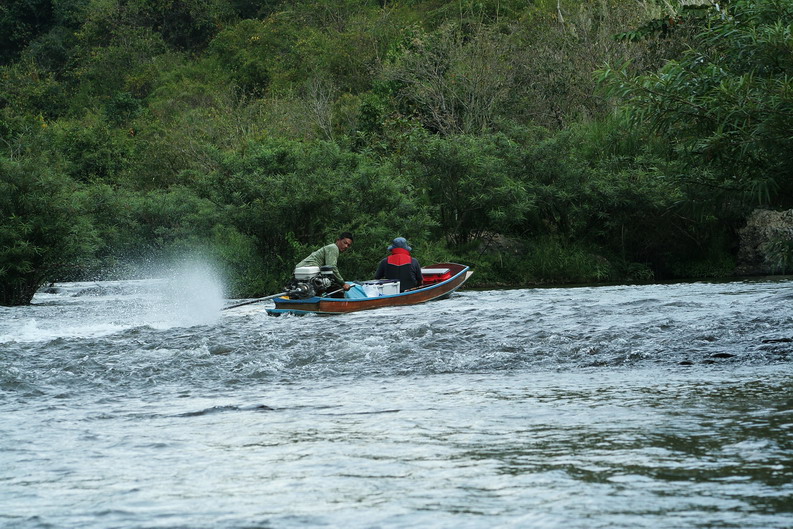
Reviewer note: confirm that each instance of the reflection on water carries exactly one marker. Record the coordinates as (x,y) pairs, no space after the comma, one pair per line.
(627,406)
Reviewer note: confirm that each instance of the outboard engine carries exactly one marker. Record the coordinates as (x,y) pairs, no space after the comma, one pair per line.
(309,281)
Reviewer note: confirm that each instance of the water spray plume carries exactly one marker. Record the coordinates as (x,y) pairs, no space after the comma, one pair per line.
(193,294)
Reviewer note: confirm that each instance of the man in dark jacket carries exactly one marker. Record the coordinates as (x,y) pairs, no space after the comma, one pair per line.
(400,265)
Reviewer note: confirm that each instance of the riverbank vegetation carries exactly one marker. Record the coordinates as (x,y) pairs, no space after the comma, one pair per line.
(541,142)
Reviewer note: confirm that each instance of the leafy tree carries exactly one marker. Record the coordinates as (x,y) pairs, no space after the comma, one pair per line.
(185,25)
(254,8)
(728,102)
(345,51)
(474,183)
(90,150)
(455,83)
(45,228)
(244,51)
(107,61)
(20,22)
(27,89)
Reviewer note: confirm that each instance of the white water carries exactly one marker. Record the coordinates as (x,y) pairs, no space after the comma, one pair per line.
(134,404)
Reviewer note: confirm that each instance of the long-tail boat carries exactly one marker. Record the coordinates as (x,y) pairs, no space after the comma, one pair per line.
(439,281)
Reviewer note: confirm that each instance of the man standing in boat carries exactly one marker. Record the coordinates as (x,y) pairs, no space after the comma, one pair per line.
(329,256)
(400,265)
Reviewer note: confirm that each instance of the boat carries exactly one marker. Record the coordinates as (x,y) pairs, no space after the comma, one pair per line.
(440,281)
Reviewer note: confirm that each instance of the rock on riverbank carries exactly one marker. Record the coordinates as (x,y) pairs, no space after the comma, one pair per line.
(766,243)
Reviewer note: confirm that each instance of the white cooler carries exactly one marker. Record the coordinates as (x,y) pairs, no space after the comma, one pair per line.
(376,289)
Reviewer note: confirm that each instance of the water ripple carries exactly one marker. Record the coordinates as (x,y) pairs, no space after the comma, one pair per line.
(621,407)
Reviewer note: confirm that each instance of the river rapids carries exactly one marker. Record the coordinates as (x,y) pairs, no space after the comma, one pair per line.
(140,404)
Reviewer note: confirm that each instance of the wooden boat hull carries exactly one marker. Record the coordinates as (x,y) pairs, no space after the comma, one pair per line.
(329,306)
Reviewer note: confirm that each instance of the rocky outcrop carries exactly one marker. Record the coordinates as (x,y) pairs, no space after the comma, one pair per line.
(766,243)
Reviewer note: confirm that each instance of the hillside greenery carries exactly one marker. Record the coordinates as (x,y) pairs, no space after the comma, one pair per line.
(541,142)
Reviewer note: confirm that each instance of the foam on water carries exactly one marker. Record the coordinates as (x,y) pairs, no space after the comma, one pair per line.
(34,330)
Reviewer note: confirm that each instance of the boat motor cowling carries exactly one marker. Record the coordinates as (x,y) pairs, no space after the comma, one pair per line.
(309,281)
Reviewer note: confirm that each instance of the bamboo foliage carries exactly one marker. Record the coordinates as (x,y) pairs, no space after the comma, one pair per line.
(728,102)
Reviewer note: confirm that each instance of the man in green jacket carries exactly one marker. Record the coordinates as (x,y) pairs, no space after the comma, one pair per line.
(329,255)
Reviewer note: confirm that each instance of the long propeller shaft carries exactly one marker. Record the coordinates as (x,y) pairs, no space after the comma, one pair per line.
(259,300)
